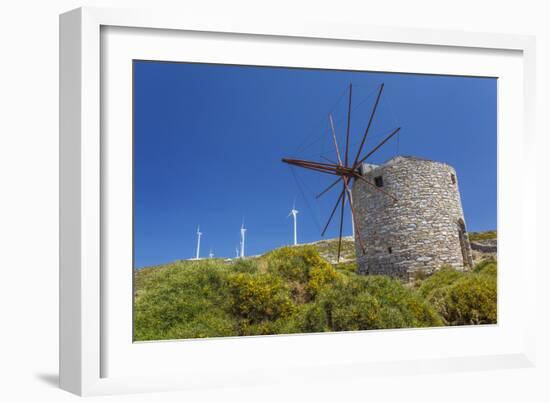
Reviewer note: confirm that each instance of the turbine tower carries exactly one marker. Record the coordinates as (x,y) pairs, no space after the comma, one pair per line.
(237,252)
(243,230)
(211,254)
(199,233)
(294,213)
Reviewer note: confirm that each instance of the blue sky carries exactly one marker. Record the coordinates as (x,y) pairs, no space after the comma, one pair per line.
(208,143)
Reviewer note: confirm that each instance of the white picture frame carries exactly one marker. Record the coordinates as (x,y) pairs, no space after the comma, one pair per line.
(89,318)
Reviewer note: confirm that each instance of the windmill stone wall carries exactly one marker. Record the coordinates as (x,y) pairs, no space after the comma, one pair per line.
(420,232)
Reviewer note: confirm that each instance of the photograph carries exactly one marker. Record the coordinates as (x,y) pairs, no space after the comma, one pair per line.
(267,202)
(274,200)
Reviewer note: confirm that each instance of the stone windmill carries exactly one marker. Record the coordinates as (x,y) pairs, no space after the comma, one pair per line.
(407,212)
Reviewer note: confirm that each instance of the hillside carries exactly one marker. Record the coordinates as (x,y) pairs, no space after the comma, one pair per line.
(483,248)
(300,289)
(328,249)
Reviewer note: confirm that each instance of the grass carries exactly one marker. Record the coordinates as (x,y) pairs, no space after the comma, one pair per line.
(482,236)
(328,249)
(296,290)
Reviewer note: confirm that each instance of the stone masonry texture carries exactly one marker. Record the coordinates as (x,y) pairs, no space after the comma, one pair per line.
(420,232)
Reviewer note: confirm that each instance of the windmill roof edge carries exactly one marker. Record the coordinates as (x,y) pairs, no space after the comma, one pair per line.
(399,158)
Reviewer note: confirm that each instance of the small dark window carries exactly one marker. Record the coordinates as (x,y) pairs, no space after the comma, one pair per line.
(378,181)
(453,179)
(389,249)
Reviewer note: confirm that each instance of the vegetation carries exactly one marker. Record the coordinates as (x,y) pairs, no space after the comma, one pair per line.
(482,236)
(296,290)
(464,298)
(328,249)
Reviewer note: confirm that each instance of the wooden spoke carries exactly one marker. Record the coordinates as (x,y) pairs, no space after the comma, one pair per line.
(332,213)
(328,188)
(325,171)
(353,216)
(321,166)
(295,161)
(334,137)
(378,146)
(369,124)
(376,187)
(345,171)
(314,166)
(349,122)
(341,222)
(326,159)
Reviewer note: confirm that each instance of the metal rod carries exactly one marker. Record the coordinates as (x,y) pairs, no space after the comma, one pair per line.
(378,146)
(369,124)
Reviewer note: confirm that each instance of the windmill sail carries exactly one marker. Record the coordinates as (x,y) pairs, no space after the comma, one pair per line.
(346,171)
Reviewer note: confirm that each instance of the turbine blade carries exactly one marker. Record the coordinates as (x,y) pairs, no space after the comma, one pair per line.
(332,213)
(369,124)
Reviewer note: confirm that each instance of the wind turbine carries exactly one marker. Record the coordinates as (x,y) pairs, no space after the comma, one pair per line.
(294,213)
(243,230)
(199,233)
(237,252)
(211,254)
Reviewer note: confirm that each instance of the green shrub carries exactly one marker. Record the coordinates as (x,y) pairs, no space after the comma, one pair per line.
(314,318)
(294,263)
(294,290)
(361,314)
(321,276)
(392,318)
(346,267)
(487,266)
(174,296)
(465,298)
(214,323)
(445,276)
(302,269)
(471,300)
(244,266)
(414,310)
(258,297)
(375,302)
